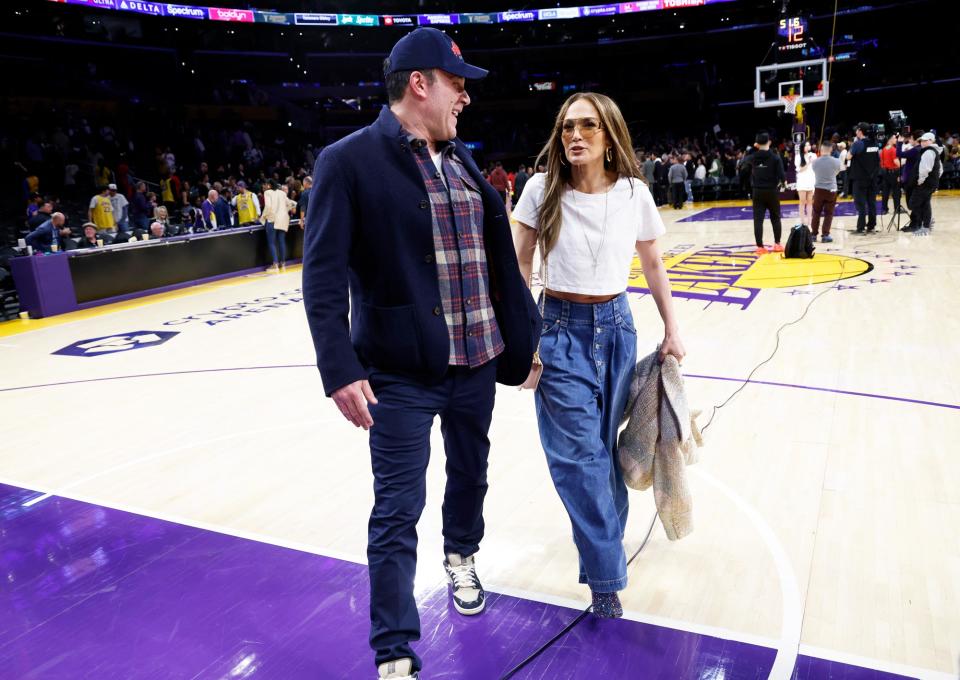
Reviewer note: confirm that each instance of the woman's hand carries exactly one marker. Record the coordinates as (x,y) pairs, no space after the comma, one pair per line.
(672,344)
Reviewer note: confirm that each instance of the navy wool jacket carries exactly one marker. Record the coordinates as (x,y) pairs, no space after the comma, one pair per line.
(370,226)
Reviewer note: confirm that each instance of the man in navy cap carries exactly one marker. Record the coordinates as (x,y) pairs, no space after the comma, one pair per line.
(411,239)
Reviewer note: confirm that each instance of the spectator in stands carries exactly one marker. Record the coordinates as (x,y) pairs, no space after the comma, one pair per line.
(193,221)
(161,216)
(42,214)
(223,212)
(247,205)
(140,209)
(499,181)
(649,171)
(123,176)
(843,181)
(120,205)
(170,160)
(304,200)
(677,176)
(209,209)
(716,169)
(100,211)
(34,201)
(152,204)
(660,171)
(691,168)
(157,231)
(89,239)
(520,181)
(700,173)
(103,175)
(50,233)
(170,191)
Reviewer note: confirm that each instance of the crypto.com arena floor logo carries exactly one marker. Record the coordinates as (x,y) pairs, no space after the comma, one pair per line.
(112,344)
(734,275)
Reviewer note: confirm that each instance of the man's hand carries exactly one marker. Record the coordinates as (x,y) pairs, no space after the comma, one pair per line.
(352,401)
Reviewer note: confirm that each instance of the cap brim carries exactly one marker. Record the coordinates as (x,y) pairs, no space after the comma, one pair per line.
(467,71)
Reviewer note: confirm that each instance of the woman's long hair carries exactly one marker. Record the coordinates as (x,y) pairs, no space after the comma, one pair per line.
(552,156)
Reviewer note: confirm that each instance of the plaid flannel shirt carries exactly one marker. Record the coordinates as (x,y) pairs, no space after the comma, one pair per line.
(457,211)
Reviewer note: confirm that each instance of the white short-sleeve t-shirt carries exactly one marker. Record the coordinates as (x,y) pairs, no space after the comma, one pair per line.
(631,216)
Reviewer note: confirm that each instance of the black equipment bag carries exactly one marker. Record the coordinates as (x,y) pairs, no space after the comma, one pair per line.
(799,243)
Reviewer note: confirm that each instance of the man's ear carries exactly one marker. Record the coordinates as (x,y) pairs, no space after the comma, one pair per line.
(418,84)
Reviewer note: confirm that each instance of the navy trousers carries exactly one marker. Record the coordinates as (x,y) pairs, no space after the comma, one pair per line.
(865,198)
(400,451)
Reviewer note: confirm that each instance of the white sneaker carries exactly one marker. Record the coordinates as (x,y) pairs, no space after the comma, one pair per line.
(398,669)
(468,595)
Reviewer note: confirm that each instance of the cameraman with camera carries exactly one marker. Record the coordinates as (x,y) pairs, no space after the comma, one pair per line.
(864,168)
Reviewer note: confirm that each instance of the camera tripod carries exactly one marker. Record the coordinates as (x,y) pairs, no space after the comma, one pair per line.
(895,217)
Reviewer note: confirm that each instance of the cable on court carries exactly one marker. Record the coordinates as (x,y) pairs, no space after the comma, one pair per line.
(570,626)
(776,346)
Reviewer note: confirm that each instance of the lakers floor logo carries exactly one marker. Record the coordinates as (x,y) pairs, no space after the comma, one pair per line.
(735,275)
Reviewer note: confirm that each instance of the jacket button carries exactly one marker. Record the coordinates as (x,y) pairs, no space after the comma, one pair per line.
(428,259)
(436,311)
(423,205)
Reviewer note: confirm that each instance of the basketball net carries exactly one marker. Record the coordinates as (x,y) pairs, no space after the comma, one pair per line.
(790,102)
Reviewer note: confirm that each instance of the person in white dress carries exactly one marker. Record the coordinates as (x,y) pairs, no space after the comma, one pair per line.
(803,161)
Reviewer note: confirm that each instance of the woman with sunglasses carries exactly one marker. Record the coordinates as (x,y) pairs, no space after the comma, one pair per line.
(589,214)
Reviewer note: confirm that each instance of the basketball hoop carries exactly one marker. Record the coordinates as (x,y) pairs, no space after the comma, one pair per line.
(790,102)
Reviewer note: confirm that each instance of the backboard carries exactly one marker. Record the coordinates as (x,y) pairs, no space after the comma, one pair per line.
(805,78)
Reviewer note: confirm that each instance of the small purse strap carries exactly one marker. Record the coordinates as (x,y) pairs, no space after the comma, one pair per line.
(543,297)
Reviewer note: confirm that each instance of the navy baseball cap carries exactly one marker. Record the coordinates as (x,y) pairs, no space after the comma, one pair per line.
(427,48)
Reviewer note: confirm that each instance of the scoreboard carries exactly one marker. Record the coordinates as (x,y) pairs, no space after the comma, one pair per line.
(793,34)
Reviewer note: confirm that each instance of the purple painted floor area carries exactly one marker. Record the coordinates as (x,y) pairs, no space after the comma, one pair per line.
(789,211)
(91,592)
(809,668)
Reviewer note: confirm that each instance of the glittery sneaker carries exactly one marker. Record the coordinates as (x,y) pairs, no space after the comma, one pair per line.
(607,606)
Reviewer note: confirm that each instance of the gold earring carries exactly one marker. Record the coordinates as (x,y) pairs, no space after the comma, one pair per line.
(609,154)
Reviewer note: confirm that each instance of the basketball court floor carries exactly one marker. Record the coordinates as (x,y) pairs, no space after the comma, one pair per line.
(179,500)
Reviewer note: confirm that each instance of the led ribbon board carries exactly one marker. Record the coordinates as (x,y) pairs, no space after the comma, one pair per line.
(371,20)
